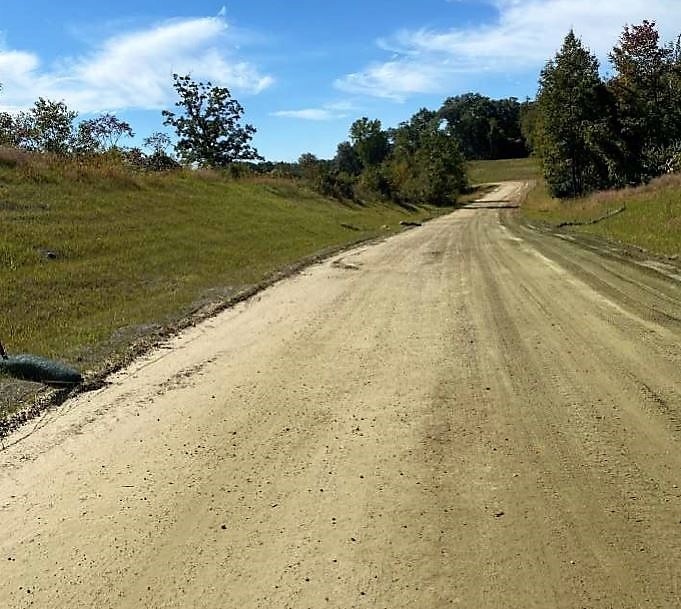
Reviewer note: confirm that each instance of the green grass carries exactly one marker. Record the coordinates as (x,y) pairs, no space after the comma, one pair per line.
(135,251)
(483,172)
(651,219)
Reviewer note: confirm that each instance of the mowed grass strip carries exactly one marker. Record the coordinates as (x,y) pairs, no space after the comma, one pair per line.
(485,172)
(89,257)
(651,219)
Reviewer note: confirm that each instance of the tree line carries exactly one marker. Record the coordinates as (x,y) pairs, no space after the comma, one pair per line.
(422,160)
(418,161)
(50,127)
(208,129)
(589,132)
(594,133)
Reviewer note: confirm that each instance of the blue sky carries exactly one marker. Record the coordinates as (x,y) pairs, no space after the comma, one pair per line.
(304,70)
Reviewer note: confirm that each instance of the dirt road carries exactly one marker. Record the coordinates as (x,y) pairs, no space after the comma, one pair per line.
(471,414)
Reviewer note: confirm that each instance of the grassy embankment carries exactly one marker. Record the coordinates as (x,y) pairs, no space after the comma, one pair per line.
(651,216)
(90,258)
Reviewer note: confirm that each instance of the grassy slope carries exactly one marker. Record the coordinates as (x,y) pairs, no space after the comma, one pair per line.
(138,250)
(651,219)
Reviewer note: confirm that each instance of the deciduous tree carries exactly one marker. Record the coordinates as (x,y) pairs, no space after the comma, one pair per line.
(486,128)
(209,128)
(107,130)
(426,163)
(46,127)
(347,160)
(646,86)
(158,142)
(369,141)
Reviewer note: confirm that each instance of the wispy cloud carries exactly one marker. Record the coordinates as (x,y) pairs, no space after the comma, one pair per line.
(395,79)
(308,114)
(132,69)
(327,112)
(524,35)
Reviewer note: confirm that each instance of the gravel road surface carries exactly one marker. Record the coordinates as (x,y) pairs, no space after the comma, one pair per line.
(470,414)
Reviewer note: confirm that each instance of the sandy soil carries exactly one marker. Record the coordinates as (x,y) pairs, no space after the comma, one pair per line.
(470,414)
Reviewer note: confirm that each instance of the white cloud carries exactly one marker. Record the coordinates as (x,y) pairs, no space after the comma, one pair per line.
(524,35)
(308,114)
(327,112)
(394,79)
(131,70)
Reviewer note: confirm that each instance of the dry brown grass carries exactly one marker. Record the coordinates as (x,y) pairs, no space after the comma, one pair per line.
(50,168)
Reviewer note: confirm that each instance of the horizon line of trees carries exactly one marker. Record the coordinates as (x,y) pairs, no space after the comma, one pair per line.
(420,160)
(590,132)
(207,125)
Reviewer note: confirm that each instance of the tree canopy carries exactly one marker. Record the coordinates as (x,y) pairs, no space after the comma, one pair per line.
(486,128)
(593,133)
(369,141)
(647,88)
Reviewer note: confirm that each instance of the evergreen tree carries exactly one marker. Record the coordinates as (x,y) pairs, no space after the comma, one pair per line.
(574,123)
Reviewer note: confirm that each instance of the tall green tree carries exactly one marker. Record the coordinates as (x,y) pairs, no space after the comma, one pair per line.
(410,135)
(369,141)
(529,123)
(8,130)
(426,164)
(209,128)
(310,165)
(647,87)
(574,124)
(440,166)
(347,160)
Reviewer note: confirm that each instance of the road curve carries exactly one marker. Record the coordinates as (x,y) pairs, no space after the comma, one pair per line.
(470,414)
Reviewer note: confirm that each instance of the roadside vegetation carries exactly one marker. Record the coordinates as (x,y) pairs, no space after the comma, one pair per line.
(424,159)
(648,216)
(610,148)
